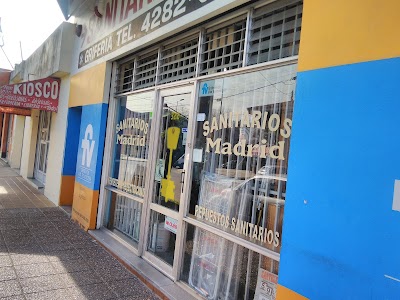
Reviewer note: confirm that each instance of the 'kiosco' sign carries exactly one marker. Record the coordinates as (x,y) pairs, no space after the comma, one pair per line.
(40,94)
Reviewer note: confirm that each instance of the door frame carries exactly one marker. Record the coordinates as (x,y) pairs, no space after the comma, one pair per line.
(38,174)
(170,271)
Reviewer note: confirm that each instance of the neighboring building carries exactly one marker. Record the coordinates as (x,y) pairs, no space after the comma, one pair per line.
(39,91)
(173,142)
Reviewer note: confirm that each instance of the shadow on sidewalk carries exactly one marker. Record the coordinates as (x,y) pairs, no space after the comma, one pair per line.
(44,255)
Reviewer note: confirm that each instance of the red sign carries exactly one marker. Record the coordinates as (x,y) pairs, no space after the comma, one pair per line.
(40,94)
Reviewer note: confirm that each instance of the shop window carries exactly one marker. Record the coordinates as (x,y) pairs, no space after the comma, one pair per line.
(131,148)
(223,48)
(178,62)
(130,162)
(220,269)
(241,154)
(275,34)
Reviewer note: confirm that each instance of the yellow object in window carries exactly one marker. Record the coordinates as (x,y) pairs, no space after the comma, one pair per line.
(168,185)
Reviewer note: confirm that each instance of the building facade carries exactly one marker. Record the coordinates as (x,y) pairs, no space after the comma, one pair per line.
(232,145)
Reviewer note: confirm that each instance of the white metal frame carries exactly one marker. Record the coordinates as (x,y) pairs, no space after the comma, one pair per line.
(172,272)
(37,173)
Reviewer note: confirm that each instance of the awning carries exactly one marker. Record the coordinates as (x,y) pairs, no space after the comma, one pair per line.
(40,94)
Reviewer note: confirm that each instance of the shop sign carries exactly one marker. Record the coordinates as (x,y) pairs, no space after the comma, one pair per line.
(84,170)
(171,224)
(40,94)
(152,18)
(244,121)
(266,285)
(216,194)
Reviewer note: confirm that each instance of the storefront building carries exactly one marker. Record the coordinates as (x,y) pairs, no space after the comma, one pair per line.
(224,142)
(35,103)
(184,113)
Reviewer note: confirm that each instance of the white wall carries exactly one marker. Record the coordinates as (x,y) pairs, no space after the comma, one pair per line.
(55,156)
(17,138)
(29,145)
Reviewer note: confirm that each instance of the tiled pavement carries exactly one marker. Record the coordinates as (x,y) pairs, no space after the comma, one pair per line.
(43,255)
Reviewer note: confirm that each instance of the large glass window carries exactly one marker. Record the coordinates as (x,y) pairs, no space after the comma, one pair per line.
(219,269)
(241,154)
(131,143)
(129,164)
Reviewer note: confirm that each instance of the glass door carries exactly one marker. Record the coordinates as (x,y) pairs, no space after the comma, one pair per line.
(166,195)
(42,146)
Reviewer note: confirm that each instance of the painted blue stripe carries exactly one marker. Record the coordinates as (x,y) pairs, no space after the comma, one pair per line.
(92,130)
(72,141)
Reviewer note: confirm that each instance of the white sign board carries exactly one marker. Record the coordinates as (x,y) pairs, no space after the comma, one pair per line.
(266,285)
(171,224)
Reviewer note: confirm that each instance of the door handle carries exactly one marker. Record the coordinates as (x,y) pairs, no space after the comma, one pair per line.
(182,181)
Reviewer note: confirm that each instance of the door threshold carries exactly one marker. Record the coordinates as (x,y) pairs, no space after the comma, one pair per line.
(163,286)
(67,209)
(35,183)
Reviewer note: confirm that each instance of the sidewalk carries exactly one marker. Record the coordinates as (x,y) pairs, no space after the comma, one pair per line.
(43,255)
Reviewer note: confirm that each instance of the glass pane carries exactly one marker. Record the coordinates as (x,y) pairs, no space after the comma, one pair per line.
(241,154)
(219,269)
(123,217)
(171,152)
(42,155)
(162,237)
(131,148)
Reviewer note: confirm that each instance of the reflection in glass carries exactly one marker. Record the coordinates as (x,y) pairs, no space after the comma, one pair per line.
(131,148)
(129,164)
(239,180)
(162,237)
(169,166)
(219,269)
(123,217)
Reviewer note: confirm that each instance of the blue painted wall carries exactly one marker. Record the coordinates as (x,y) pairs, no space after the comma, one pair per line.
(96,115)
(344,159)
(72,141)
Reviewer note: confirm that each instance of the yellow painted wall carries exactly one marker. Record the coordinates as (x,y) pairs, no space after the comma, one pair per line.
(339,32)
(286,294)
(87,87)
(67,190)
(84,207)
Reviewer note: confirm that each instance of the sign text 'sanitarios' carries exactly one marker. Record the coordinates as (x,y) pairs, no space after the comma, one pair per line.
(40,94)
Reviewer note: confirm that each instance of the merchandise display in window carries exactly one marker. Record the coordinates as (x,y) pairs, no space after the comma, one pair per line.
(240,172)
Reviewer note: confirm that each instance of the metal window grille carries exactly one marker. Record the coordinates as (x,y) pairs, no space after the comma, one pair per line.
(223,48)
(145,72)
(178,62)
(125,77)
(127,216)
(275,34)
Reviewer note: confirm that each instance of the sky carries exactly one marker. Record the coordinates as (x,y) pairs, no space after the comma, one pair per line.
(28,21)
